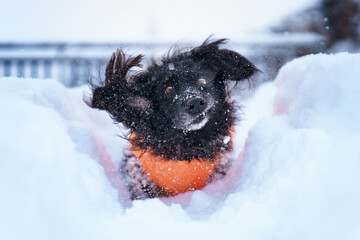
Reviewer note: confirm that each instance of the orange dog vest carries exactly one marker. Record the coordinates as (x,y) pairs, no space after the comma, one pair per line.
(175,177)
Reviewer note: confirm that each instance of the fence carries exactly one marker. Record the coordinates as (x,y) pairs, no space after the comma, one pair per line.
(73,64)
(70,71)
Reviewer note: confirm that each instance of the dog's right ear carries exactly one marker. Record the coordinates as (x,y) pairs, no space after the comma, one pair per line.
(119,95)
(229,65)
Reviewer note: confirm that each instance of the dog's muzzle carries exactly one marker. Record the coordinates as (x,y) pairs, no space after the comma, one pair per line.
(195,112)
(196,105)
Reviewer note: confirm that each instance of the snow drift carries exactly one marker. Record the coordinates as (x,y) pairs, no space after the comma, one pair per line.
(298,177)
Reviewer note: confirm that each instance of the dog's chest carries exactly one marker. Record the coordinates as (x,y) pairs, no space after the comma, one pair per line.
(176,177)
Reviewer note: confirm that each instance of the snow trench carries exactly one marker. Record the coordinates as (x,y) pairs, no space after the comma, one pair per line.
(297,178)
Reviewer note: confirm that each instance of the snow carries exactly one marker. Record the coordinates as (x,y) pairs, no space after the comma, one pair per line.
(296,179)
(139,20)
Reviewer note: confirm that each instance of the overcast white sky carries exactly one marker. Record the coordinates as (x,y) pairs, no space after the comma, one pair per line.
(138,20)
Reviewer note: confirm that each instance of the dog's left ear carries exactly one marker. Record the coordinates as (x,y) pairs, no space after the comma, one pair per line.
(228,65)
(119,95)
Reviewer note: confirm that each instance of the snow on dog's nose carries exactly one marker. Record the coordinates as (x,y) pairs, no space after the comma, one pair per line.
(196,105)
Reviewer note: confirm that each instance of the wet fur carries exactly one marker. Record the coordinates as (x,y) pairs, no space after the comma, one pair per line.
(138,102)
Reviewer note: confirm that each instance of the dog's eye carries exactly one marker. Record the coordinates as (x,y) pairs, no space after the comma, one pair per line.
(168,89)
(202,81)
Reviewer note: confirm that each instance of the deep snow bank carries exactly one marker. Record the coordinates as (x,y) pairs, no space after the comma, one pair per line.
(298,178)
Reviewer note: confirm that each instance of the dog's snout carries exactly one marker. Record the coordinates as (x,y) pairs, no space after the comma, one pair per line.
(196,105)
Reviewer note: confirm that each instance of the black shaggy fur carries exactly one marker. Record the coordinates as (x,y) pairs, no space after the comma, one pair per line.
(148,102)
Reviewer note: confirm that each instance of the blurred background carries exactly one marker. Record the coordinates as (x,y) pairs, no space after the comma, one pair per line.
(72,40)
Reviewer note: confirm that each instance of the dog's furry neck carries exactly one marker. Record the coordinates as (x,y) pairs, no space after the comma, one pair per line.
(176,144)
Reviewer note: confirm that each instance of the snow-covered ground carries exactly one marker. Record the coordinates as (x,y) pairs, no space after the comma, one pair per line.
(298,178)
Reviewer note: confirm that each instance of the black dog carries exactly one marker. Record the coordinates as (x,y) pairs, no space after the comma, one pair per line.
(177,110)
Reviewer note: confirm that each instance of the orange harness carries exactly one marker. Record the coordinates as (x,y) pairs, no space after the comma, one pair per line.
(175,177)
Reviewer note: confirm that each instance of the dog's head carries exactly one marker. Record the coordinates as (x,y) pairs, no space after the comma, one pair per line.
(179,107)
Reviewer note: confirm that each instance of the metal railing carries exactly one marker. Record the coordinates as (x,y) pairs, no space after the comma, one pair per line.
(71,64)
(70,71)
(74,64)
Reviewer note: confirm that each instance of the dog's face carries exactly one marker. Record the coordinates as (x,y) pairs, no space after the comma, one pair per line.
(180,107)
(187,93)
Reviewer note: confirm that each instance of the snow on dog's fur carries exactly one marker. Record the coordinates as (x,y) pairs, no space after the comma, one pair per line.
(177,110)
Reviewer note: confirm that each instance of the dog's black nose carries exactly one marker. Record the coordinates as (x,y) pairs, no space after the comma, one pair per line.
(196,105)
